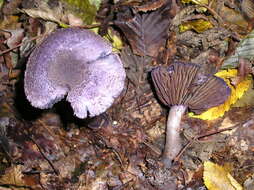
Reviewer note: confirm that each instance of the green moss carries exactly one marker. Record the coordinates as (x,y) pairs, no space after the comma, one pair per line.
(83,8)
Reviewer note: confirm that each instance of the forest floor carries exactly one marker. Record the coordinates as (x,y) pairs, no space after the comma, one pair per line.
(121,148)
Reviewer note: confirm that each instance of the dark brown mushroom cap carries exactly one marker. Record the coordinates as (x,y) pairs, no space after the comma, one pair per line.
(77,63)
(184,84)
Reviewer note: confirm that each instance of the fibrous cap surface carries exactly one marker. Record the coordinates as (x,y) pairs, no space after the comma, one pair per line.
(78,64)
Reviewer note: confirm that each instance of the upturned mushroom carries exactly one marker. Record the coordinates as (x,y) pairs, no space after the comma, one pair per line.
(182,86)
(78,64)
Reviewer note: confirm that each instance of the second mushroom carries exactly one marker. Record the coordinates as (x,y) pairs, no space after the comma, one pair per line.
(182,86)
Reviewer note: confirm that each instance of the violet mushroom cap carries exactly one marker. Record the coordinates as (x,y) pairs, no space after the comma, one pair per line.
(182,86)
(77,63)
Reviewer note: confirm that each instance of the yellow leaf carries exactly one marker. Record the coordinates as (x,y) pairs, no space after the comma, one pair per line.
(236,93)
(10,22)
(218,178)
(13,176)
(199,25)
(116,42)
(198,2)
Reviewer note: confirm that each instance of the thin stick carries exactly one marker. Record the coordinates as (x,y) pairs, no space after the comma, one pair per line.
(198,137)
(17,46)
(214,13)
(44,156)
(93,25)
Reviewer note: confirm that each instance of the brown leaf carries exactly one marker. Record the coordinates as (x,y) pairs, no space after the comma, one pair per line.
(11,7)
(13,176)
(244,69)
(151,5)
(146,32)
(135,68)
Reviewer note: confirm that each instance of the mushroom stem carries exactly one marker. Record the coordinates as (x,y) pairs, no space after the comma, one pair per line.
(173,141)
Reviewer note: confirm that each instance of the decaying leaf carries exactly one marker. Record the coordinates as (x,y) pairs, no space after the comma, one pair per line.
(246,100)
(10,7)
(11,22)
(232,17)
(199,25)
(117,149)
(198,2)
(244,50)
(136,67)
(151,5)
(218,178)
(13,176)
(236,93)
(146,32)
(44,12)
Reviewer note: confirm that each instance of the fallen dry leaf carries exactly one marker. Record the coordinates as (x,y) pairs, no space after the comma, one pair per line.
(146,32)
(236,93)
(199,25)
(13,177)
(218,178)
(151,5)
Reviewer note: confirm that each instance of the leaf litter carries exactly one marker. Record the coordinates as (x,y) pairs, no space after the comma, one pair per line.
(120,149)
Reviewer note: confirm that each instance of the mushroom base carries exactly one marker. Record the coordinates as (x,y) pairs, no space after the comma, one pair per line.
(173,141)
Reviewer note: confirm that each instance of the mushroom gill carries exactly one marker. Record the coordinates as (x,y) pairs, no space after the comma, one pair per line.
(183,86)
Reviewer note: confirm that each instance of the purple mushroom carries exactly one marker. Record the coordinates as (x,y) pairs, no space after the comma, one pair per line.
(182,86)
(78,64)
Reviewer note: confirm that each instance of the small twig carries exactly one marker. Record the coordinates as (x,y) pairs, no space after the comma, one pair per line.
(44,156)
(152,147)
(117,156)
(10,49)
(89,26)
(198,137)
(47,128)
(214,13)
(138,101)
(141,106)
(41,183)
(115,152)
(184,178)
(93,25)
(125,92)
(17,46)
(13,186)
(218,131)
